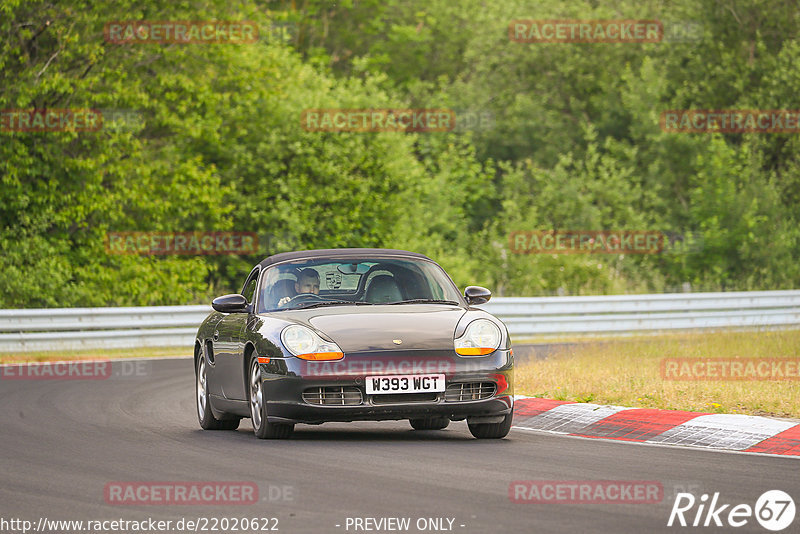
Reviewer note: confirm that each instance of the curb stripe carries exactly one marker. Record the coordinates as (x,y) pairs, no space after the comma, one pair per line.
(723,431)
(570,418)
(529,407)
(787,442)
(736,432)
(637,424)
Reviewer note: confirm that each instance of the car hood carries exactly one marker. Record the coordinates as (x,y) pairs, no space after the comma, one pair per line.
(375,328)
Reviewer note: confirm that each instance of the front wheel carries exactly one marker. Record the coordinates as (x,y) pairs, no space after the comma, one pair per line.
(204,415)
(492,430)
(258,408)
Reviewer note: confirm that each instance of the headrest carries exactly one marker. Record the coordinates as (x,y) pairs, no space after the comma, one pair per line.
(383,288)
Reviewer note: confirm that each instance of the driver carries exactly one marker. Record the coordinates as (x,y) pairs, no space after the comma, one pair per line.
(307,282)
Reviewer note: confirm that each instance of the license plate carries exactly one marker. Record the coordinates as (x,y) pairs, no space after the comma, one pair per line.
(405,384)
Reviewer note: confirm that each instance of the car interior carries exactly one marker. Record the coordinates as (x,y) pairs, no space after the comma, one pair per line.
(381,283)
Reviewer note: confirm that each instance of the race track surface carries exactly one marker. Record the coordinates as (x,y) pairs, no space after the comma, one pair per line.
(63,441)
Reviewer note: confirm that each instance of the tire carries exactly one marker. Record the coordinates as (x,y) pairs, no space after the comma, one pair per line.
(492,430)
(204,415)
(430,423)
(258,407)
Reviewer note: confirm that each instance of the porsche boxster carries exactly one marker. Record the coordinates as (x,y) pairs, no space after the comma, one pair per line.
(353,335)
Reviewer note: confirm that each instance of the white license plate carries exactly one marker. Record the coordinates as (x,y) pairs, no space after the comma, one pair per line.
(405,384)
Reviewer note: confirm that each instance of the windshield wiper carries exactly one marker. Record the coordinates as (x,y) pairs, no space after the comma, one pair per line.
(333,303)
(425,301)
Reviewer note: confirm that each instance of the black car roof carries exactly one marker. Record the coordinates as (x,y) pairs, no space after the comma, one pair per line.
(339,253)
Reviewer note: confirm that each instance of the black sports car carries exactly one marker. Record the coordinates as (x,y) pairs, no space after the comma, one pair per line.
(353,335)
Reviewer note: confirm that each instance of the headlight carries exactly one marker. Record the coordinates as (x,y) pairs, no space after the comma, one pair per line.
(306,344)
(481,337)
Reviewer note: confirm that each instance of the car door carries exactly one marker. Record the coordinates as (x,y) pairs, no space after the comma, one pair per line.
(229,346)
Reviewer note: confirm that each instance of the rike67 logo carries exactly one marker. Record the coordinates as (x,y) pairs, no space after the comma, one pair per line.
(774,510)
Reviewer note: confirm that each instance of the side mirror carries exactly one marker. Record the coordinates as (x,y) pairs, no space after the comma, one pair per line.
(477,295)
(230,303)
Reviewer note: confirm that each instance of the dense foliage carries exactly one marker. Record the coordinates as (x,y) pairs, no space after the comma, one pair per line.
(560,136)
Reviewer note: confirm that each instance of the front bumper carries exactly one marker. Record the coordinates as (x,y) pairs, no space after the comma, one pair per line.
(289,412)
(284,390)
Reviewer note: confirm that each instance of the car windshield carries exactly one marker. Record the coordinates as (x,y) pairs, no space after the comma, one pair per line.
(338,282)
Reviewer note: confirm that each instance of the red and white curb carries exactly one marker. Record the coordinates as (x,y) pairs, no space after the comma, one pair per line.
(734,432)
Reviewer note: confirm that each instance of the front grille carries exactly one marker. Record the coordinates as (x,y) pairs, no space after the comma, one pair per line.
(467,391)
(333,396)
(401,398)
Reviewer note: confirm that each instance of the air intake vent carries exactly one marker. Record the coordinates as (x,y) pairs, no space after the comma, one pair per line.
(468,391)
(403,398)
(333,396)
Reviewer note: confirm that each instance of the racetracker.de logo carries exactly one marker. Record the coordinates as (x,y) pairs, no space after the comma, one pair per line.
(385,366)
(378,120)
(586,491)
(181,493)
(180,32)
(181,243)
(731,121)
(585,31)
(588,242)
(78,370)
(709,369)
(50,120)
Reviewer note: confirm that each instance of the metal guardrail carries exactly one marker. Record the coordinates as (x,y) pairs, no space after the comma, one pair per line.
(162,326)
(99,328)
(647,313)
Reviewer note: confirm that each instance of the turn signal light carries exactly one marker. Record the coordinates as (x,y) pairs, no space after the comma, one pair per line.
(321,356)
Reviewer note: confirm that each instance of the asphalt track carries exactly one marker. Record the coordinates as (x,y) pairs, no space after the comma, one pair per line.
(64,440)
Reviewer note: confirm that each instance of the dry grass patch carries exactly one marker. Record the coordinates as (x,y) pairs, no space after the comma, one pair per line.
(627,372)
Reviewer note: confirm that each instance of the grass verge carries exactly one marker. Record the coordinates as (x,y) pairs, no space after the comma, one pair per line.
(628,372)
(98,354)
